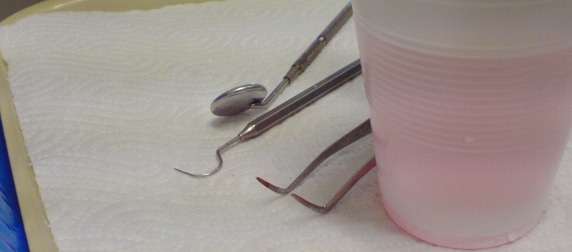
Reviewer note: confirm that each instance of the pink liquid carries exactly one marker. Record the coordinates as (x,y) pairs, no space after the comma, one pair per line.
(467,148)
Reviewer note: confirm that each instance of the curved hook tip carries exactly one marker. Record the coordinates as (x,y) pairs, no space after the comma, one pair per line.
(204,175)
(215,170)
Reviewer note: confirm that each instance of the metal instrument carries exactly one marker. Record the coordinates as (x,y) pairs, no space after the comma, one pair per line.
(341,193)
(355,134)
(285,110)
(244,97)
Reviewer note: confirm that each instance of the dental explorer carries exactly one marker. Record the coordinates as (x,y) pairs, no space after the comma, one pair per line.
(285,110)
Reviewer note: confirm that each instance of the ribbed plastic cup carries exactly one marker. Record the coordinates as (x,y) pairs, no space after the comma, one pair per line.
(471,108)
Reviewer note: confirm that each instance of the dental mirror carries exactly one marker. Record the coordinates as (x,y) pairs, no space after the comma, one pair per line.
(245,97)
(238,99)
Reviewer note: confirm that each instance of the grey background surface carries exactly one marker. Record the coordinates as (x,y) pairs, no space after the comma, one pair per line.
(8,7)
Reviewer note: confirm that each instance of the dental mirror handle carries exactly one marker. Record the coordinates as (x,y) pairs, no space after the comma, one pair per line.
(309,55)
(300,101)
(319,43)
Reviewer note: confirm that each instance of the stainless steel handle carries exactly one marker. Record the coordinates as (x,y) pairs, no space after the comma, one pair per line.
(300,101)
(308,55)
(316,47)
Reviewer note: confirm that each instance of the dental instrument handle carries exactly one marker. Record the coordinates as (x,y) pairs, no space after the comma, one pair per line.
(306,58)
(319,43)
(300,101)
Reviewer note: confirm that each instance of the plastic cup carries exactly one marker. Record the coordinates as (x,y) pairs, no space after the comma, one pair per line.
(471,109)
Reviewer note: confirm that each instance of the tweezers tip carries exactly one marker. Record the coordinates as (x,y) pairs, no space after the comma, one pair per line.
(272,187)
(264,182)
(308,204)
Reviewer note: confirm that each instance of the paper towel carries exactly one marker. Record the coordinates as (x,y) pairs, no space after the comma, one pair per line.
(110,103)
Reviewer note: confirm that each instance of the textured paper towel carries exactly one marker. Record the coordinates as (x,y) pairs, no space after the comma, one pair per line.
(109,103)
